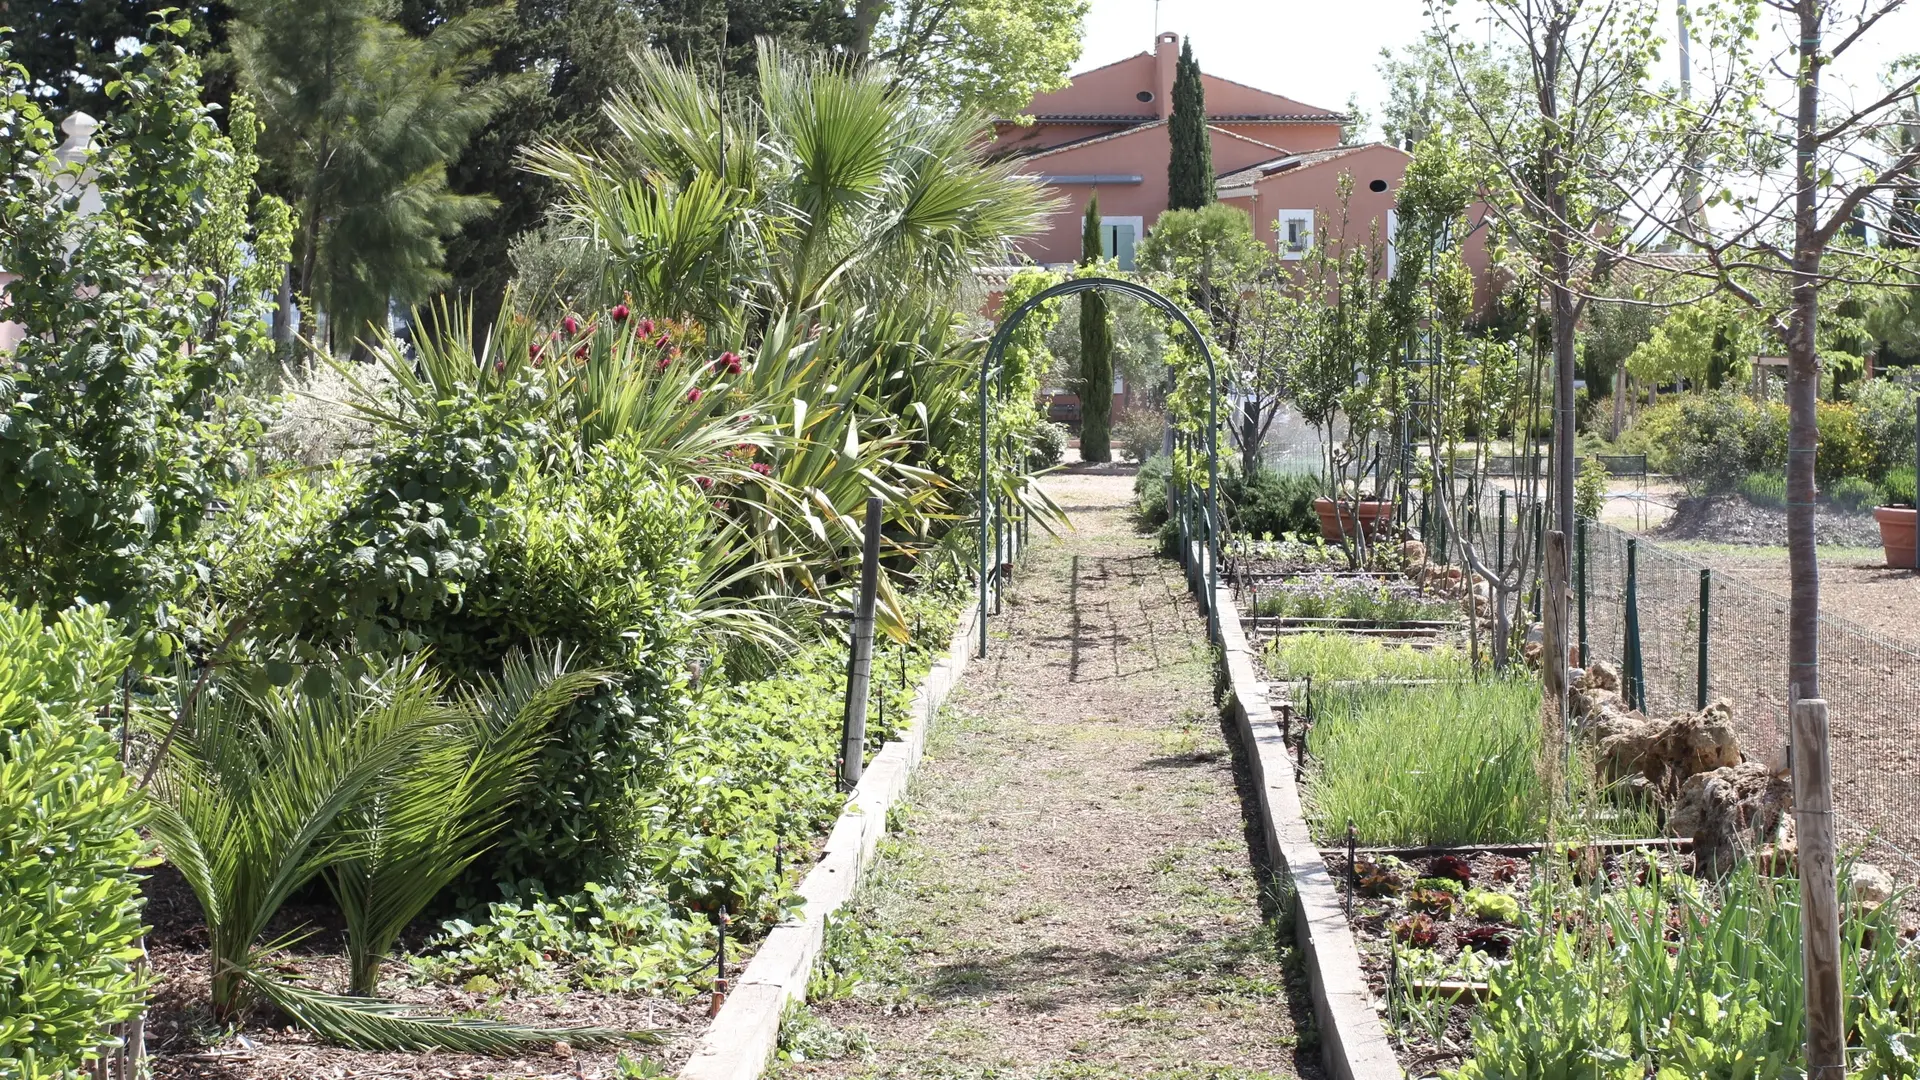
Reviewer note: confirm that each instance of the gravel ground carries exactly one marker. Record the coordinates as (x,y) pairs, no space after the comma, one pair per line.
(1075,895)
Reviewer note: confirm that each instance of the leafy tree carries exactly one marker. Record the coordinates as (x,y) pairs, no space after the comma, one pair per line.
(115,427)
(1701,343)
(1190,162)
(990,55)
(363,122)
(1241,286)
(556,62)
(73,48)
(1095,384)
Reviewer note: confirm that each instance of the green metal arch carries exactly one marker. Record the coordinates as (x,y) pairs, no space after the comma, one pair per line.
(990,364)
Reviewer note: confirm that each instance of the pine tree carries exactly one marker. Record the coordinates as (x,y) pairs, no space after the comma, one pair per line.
(1190,162)
(362,122)
(1096,352)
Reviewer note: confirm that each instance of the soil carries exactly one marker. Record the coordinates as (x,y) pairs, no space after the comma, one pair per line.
(1730,519)
(1077,891)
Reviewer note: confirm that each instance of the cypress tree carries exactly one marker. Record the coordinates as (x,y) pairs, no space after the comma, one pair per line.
(1096,352)
(1190,161)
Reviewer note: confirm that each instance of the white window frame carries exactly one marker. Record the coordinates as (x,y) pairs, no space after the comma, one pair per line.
(1280,221)
(1393,242)
(1139,234)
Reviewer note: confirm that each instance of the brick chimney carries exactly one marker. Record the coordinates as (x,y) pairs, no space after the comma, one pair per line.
(1166,57)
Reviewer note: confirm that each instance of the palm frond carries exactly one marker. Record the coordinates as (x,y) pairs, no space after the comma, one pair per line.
(363,1024)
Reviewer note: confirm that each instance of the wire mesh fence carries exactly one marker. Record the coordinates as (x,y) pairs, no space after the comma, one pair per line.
(1701,636)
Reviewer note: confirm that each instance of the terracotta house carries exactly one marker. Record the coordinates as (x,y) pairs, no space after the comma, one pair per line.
(1277,158)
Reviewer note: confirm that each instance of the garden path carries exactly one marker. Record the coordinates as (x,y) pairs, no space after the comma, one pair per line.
(1073,895)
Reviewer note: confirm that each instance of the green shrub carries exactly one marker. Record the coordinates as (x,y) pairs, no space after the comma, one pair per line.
(1713,440)
(1765,489)
(1150,490)
(454,541)
(1897,488)
(1269,503)
(1141,432)
(69,897)
(1886,412)
(1449,763)
(1590,488)
(1049,445)
(1854,493)
(1845,447)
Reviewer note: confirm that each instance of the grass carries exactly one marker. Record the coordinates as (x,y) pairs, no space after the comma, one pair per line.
(1343,656)
(1450,763)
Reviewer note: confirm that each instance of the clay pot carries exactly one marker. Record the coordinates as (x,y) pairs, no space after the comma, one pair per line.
(1373,518)
(1896,534)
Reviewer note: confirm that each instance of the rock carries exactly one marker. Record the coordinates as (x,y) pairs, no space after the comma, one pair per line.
(1870,885)
(1603,676)
(1667,752)
(1731,812)
(1414,554)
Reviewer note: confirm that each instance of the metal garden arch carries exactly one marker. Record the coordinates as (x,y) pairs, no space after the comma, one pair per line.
(1188,504)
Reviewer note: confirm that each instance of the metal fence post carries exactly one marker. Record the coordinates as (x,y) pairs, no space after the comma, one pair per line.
(1634,674)
(1706,599)
(1580,554)
(853,727)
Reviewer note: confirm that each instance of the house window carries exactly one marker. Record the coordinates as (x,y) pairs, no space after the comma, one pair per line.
(1295,231)
(1117,237)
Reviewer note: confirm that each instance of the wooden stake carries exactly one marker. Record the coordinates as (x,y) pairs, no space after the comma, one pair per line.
(1819,895)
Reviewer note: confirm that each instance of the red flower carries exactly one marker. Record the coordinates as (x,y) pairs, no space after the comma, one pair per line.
(581,352)
(664,362)
(662,341)
(705,482)
(763,468)
(729,361)
(533,350)
(620,312)
(570,324)
(499,367)
(644,330)
(693,394)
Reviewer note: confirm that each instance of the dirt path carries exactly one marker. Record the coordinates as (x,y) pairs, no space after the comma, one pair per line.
(1073,895)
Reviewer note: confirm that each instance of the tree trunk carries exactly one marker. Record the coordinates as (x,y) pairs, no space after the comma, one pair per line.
(1249,437)
(1619,399)
(866,17)
(1803,377)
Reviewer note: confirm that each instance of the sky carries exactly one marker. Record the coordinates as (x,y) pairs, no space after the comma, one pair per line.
(1321,51)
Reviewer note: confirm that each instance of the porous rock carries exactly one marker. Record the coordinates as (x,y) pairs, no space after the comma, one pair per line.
(1731,812)
(1667,752)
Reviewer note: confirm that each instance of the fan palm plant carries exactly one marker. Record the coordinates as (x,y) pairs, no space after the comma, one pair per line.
(828,184)
(264,790)
(420,824)
(247,802)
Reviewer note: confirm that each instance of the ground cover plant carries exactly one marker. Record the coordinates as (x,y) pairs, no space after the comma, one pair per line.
(1448,763)
(1665,975)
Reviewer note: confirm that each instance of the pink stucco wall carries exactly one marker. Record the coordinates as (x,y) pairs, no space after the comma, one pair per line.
(10,332)
(1142,152)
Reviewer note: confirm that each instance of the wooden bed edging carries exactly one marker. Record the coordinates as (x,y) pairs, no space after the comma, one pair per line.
(1353,1042)
(739,1044)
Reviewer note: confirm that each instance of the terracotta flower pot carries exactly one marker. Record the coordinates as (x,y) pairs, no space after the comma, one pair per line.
(1373,517)
(1896,534)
